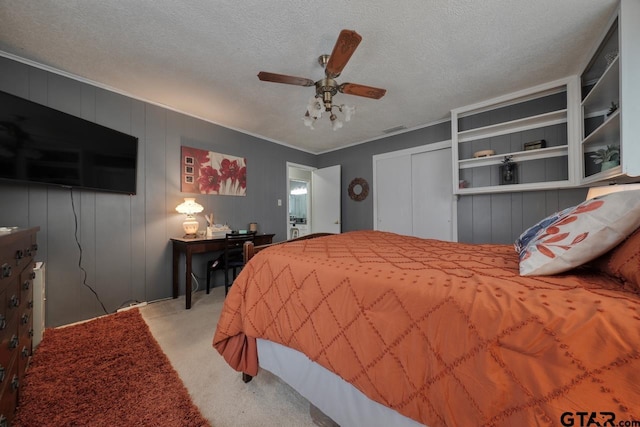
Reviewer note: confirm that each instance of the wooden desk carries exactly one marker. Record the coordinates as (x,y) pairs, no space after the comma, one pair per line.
(188,247)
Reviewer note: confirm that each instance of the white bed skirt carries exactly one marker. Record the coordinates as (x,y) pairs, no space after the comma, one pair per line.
(338,399)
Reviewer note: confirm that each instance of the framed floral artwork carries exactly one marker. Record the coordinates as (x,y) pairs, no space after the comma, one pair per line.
(206,172)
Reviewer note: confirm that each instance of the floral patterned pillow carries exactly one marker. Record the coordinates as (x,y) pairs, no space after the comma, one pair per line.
(578,234)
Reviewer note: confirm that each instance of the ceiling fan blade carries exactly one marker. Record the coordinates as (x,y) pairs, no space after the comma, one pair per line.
(362,90)
(346,44)
(282,78)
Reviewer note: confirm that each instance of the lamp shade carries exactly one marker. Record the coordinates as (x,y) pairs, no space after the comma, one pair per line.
(606,189)
(189,206)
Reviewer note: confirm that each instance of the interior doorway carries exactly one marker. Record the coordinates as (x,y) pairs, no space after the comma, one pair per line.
(299,216)
(313,200)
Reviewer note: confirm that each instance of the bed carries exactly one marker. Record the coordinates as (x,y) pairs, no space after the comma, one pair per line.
(436,333)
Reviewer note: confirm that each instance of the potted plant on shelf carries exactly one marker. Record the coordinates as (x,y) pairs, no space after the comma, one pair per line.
(607,158)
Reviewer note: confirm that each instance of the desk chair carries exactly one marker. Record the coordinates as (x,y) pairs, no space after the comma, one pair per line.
(231,259)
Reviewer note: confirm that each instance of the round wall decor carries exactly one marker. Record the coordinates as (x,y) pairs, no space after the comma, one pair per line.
(358,189)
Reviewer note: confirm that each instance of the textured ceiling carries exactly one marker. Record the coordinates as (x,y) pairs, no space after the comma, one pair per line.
(201,57)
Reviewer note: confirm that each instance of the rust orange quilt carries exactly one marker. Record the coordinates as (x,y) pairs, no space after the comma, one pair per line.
(444,333)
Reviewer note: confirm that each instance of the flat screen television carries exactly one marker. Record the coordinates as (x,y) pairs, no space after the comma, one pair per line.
(42,145)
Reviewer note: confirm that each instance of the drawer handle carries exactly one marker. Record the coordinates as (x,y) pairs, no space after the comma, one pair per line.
(3,322)
(15,383)
(13,343)
(25,319)
(31,333)
(34,247)
(14,302)
(2,374)
(26,284)
(24,352)
(32,275)
(3,421)
(19,254)
(6,270)
(28,252)
(30,304)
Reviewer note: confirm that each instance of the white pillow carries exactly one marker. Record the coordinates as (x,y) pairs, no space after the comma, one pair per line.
(578,234)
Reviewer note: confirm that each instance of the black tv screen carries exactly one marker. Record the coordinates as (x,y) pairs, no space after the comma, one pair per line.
(42,145)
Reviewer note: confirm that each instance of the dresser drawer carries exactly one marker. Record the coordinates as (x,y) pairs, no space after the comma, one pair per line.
(26,286)
(24,356)
(8,360)
(9,339)
(4,314)
(17,253)
(9,350)
(25,332)
(25,321)
(15,257)
(8,393)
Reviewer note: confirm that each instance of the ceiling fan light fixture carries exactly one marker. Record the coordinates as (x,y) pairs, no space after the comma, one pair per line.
(314,108)
(327,87)
(335,123)
(308,121)
(348,111)
(314,112)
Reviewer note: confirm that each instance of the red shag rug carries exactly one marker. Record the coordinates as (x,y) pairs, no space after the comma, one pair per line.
(106,372)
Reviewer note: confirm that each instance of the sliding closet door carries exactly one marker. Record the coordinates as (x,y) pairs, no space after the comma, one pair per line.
(392,194)
(431,173)
(412,192)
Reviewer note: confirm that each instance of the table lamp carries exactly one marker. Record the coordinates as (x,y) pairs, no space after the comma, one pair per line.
(190,207)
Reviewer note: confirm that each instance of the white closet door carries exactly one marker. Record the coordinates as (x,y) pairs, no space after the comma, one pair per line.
(431,173)
(412,192)
(393,194)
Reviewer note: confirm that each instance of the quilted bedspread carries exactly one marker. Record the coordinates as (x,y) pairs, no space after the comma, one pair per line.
(444,333)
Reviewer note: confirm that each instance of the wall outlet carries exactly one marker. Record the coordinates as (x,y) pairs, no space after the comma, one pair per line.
(279,202)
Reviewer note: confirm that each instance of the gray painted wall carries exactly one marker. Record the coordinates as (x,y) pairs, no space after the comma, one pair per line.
(125,239)
(501,218)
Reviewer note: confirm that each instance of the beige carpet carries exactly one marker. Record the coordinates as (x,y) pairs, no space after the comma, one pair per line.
(186,335)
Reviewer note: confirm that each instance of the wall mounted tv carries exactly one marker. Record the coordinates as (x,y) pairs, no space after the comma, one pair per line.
(42,145)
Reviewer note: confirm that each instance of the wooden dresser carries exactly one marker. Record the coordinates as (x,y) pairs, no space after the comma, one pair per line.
(17,251)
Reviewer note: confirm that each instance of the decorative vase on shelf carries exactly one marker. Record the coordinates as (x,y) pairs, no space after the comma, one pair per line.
(508,171)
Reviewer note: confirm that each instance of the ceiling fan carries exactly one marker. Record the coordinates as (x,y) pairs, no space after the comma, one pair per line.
(327,87)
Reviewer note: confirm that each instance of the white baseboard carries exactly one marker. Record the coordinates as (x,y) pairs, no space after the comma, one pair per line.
(138,305)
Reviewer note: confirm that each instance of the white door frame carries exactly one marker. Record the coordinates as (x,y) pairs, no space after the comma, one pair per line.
(309,213)
(407,152)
